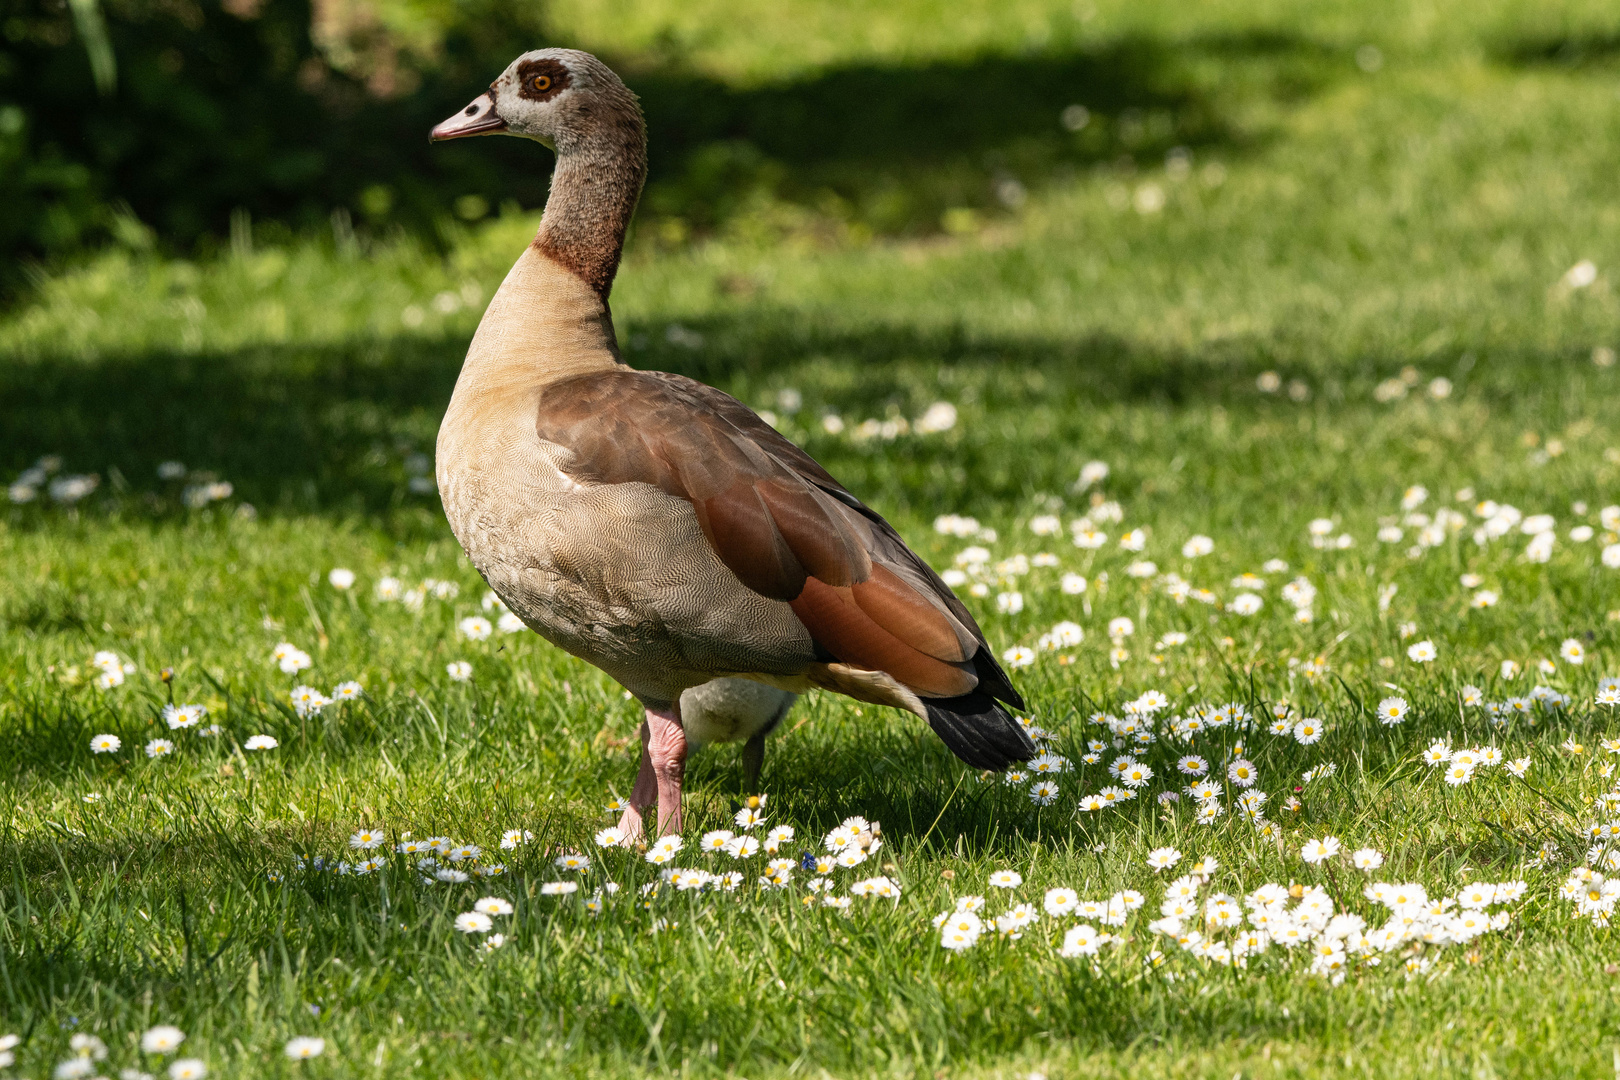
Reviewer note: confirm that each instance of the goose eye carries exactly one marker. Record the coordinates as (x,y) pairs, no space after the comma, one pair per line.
(541,83)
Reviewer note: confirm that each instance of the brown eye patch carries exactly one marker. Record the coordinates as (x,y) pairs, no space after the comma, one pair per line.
(540,80)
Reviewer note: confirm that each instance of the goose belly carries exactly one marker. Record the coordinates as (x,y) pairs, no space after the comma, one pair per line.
(732,710)
(621,576)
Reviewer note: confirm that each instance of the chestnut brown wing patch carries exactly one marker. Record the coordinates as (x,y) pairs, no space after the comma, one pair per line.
(777,520)
(838,623)
(889,601)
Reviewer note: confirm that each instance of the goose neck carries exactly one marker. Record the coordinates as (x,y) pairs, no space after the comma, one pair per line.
(594,189)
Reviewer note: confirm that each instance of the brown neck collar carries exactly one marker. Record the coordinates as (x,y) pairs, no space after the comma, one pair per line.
(594,188)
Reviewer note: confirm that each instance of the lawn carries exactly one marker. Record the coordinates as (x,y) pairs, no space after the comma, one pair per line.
(1330,286)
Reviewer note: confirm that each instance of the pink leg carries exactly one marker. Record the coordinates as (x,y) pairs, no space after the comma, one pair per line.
(643,795)
(666,747)
(663,766)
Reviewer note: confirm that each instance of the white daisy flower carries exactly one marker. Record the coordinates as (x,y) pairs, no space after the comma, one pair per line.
(474,922)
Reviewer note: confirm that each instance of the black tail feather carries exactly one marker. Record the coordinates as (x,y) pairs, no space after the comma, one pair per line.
(994,681)
(978,730)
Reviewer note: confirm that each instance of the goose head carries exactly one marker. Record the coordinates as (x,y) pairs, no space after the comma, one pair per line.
(573,103)
(557,97)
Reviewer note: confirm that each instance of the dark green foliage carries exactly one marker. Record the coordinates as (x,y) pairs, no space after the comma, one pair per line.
(213,114)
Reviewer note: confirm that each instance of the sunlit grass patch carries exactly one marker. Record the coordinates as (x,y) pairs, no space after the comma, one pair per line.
(1280,473)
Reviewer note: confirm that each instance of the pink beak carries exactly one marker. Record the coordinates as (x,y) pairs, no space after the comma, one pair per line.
(479,118)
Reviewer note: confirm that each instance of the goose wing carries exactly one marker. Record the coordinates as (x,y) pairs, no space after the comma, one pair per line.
(789,531)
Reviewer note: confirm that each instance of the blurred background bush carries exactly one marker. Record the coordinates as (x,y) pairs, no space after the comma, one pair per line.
(181,123)
(128,118)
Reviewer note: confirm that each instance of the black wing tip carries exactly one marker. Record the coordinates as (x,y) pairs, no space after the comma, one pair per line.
(976,729)
(994,682)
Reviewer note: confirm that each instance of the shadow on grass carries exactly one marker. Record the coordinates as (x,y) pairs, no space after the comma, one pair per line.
(333,429)
(1561,50)
(894,145)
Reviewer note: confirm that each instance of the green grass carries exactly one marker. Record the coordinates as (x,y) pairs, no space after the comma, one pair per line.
(1337,227)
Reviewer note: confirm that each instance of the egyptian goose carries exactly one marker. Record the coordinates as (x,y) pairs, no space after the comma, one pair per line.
(654,526)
